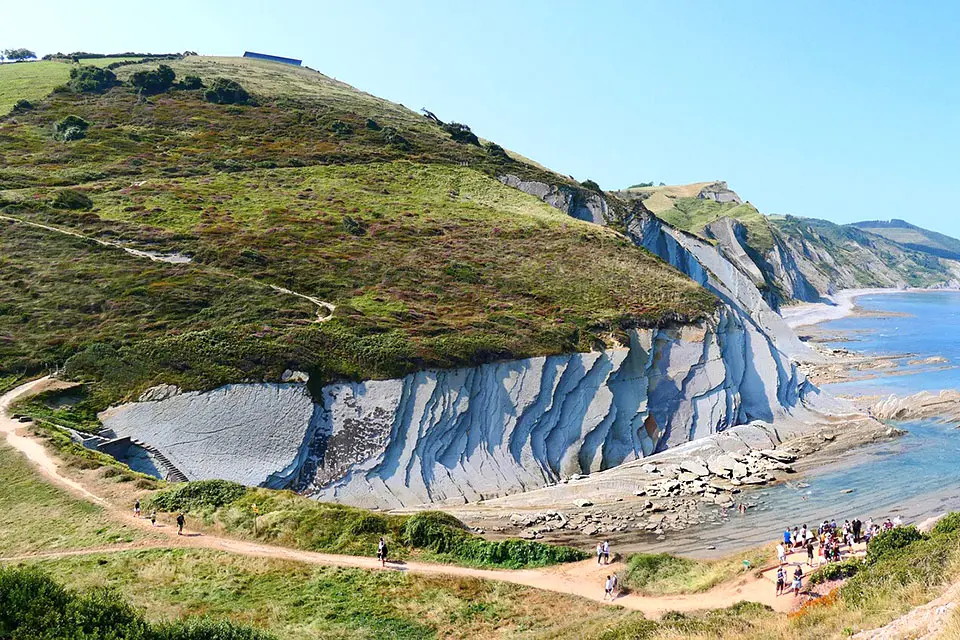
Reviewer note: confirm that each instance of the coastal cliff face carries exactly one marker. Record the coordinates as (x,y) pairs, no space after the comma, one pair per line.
(465,434)
(459,435)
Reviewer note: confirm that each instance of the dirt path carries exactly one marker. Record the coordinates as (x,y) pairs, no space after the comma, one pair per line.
(583,579)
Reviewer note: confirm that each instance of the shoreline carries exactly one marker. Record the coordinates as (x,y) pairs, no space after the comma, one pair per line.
(841,305)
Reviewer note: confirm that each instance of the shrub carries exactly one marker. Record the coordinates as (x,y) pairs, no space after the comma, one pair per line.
(22,106)
(341,128)
(191,83)
(889,542)
(372,125)
(353,227)
(590,184)
(461,133)
(647,568)
(202,494)
(226,91)
(947,524)
(207,629)
(90,79)
(496,151)
(155,81)
(837,571)
(71,128)
(392,136)
(72,199)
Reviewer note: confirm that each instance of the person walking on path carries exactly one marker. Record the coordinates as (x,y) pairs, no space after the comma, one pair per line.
(153,517)
(382,552)
(781,581)
(606,552)
(786,537)
(781,554)
(608,588)
(616,586)
(810,552)
(599,552)
(180,522)
(136,508)
(797,585)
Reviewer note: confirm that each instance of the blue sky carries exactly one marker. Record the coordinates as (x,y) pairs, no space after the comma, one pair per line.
(842,111)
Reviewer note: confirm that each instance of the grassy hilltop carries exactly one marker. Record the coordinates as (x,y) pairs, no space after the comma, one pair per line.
(310,185)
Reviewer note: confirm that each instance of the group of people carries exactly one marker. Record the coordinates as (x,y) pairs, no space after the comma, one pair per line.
(825,545)
(181,519)
(603,552)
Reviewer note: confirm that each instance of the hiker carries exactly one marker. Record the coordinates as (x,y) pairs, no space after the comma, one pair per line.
(781,554)
(797,584)
(781,581)
(608,588)
(810,551)
(136,508)
(180,522)
(382,552)
(153,517)
(599,552)
(786,537)
(616,586)
(606,552)
(857,526)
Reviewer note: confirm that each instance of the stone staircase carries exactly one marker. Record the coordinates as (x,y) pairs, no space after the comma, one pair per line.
(172,473)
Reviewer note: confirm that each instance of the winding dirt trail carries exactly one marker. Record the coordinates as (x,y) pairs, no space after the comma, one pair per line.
(584,579)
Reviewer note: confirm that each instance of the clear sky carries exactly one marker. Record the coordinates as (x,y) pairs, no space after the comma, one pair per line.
(845,111)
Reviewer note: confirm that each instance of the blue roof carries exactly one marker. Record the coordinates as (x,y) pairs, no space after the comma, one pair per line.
(264,56)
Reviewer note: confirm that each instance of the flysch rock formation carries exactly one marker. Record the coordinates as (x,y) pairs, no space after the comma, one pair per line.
(462,435)
(254,434)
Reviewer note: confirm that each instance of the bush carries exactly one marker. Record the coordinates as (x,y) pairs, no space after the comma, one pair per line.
(71,128)
(950,523)
(72,199)
(445,535)
(90,79)
(372,125)
(837,571)
(226,91)
(207,629)
(155,81)
(202,494)
(341,128)
(647,568)
(191,83)
(890,541)
(22,106)
(392,136)
(461,133)
(496,151)
(590,184)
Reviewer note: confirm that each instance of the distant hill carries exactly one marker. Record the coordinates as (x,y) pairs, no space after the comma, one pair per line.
(914,237)
(791,258)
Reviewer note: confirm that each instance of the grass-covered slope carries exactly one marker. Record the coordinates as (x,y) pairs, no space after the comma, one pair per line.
(311,186)
(914,237)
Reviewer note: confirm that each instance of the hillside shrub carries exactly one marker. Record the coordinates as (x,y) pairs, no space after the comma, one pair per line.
(392,137)
(443,534)
(191,83)
(198,495)
(837,571)
(373,125)
(206,629)
(891,541)
(72,199)
(590,184)
(22,106)
(644,569)
(226,91)
(497,152)
(70,128)
(461,133)
(90,79)
(154,81)
(948,524)
(341,128)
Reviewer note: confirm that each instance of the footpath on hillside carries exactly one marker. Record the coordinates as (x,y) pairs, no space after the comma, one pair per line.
(584,579)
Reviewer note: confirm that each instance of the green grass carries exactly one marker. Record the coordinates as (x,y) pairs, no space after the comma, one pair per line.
(693,214)
(37,517)
(31,81)
(293,600)
(663,574)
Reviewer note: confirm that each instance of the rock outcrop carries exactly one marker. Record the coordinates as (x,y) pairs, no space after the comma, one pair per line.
(578,203)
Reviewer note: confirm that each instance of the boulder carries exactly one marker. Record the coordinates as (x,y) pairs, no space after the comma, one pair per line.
(694,467)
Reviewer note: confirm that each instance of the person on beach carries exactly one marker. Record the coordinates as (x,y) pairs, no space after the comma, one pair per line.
(786,537)
(382,552)
(781,581)
(180,522)
(857,527)
(608,588)
(781,554)
(599,552)
(136,508)
(606,552)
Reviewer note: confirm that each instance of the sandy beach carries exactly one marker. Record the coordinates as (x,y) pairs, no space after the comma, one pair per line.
(840,305)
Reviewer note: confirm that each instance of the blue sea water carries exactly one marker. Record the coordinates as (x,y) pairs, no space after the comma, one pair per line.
(915,476)
(926,324)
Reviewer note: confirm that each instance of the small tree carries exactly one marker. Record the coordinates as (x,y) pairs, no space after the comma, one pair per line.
(155,81)
(191,83)
(590,184)
(90,79)
(226,91)
(71,128)
(461,133)
(19,55)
